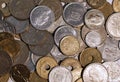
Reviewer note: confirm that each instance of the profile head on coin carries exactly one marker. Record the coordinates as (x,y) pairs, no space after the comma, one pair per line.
(41,17)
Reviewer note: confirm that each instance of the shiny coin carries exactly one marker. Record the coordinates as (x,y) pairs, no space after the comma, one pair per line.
(60,74)
(20,73)
(6,35)
(116,5)
(20,8)
(54,5)
(74,66)
(41,17)
(63,31)
(69,45)
(113,71)
(94,19)
(112,26)
(5,63)
(110,50)
(95,72)
(90,55)
(44,66)
(73,13)
(4,78)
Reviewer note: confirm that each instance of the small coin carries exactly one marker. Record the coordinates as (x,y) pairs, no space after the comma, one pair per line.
(74,66)
(60,74)
(113,71)
(5,63)
(44,66)
(90,55)
(69,45)
(63,31)
(6,35)
(73,13)
(116,5)
(94,19)
(95,72)
(4,78)
(41,17)
(20,73)
(20,8)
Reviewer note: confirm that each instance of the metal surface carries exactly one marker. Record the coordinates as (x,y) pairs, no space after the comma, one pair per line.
(116,5)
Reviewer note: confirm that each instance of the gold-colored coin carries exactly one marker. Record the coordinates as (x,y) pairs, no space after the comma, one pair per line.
(69,45)
(116,5)
(4,78)
(90,55)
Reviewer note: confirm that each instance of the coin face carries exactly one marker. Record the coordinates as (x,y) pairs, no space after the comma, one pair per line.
(116,5)
(90,55)
(73,13)
(44,66)
(41,17)
(20,8)
(95,72)
(94,19)
(113,71)
(60,74)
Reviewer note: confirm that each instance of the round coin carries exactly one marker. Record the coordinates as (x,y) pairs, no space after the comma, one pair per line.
(116,5)
(60,74)
(41,17)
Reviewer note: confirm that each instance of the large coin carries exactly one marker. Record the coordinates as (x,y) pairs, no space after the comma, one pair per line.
(73,13)
(116,5)
(41,17)
(21,8)
(95,72)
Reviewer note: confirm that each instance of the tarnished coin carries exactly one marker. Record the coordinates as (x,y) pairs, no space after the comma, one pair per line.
(95,72)
(41,17)
(60,74)
(94,19)
(5,63)
(74,66)
(54,5)
(21,8)
(113,70)
(79,80)
(44,66)
(90,55)
(6,35)
(69,45)
(4,78)
(116,5)
(113,26)
(73,13)
(20,25)
(63,31)
(110,50)
(20,73)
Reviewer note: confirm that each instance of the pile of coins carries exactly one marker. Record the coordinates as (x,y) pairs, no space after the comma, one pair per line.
(59,41)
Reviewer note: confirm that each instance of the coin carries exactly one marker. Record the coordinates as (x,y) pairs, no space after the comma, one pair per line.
(63,31)
(60,74)
(73,13)
(41,17)
(20,25)
(69,45)
(113,71)
(95,72)
(54,5)
(74,66)
(6,35)
(20,73)
(20,8)
(94,19)
(90,55)
(116,5)
(5,63)
(110,50)
(44,66)
(4,78)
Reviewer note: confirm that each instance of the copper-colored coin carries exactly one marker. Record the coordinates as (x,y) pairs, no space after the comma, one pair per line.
(55,5)
(4,78)
(6,35)
(74,66)
(116,5)
(90,55)
(20,73)
(21,8)
(44,66)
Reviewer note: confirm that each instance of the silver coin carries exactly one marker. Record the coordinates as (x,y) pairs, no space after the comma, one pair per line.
(113,26)
(73,13)
(94,19)
(113,70)
(60,74)
(109,50)
(41,17)
(63,31)
(95,72)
